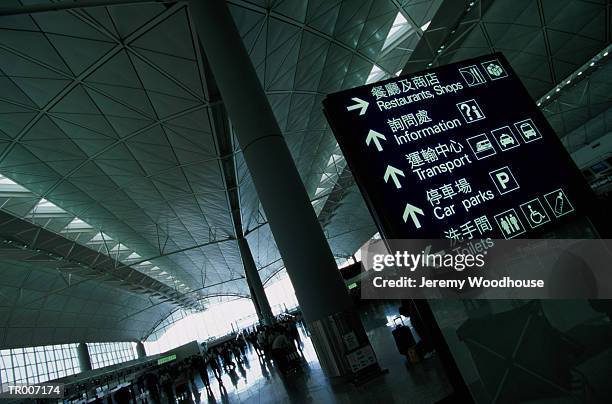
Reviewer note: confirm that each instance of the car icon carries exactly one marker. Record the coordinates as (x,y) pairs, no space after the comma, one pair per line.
(483,145)
(528,130)
(506,140)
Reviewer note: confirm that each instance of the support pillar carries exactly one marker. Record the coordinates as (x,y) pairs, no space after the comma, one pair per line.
(258,294)
(140,350)
(257,309)
(337,333)
(83,356)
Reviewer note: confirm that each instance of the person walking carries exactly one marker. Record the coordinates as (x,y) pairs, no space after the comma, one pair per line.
(213,360)
(200,364)
(226,355)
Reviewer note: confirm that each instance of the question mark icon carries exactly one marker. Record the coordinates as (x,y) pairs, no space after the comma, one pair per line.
(470,111)
(467,112)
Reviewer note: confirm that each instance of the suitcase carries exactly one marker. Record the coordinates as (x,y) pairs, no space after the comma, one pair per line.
(404,340)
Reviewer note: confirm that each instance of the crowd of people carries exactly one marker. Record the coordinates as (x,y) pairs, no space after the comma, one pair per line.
(176,382)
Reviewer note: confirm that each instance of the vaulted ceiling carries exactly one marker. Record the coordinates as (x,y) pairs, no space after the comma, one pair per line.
(109,140)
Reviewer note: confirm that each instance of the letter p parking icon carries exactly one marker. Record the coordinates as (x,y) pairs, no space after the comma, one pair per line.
(504,180)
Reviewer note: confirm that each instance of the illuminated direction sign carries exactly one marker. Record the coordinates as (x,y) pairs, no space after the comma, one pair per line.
(456,152)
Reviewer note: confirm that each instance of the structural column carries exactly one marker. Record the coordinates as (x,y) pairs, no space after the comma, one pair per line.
(140,350)
(83,356)
(258,294)
(254,300)
(336,329)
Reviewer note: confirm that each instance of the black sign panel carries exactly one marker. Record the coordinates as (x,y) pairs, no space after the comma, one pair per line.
(456,152)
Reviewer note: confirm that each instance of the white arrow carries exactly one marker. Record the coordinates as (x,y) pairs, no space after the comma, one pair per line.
(412,211)
(376,137)
(393,173)
(360,104)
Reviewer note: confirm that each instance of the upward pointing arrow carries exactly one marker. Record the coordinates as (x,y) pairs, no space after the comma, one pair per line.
(376,137)
(411,211)
(393,173)
(359,104)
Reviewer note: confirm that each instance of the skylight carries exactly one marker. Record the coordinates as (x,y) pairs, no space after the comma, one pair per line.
(335,165)
(333,159)
(100,238)
(77,225)
(4,180)
(45,207)
(320,191)
(400,28)
(133,256)
(120,247)
(8,187)
(376,74)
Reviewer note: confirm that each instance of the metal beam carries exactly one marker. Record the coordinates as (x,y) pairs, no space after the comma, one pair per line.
(222,132)
(70,5)
(93,265)
(448,26)
(181,250)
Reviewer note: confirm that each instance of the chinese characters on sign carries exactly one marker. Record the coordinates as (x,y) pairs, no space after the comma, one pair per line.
(436,154)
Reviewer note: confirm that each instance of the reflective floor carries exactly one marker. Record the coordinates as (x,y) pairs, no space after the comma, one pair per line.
(258,381)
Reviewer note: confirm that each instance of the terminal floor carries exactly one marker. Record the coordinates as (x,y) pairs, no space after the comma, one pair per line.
(260,382)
